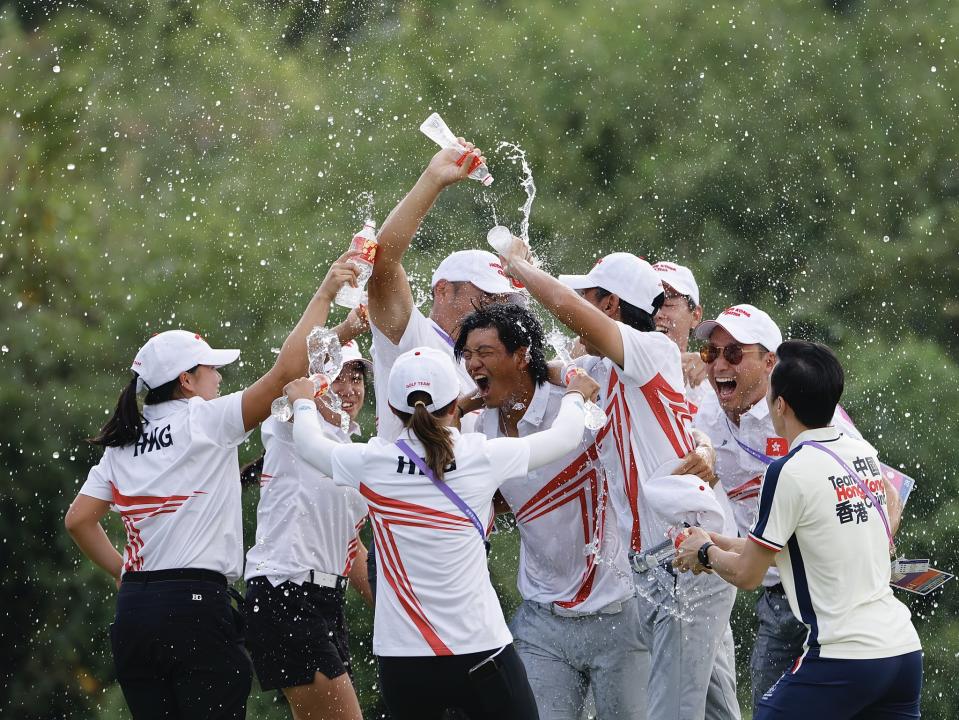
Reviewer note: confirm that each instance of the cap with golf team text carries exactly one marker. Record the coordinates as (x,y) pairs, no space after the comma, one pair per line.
(479,267)
(351,352)
(426,370)
(679,278)
(167,354)
(622,274)
(747,324)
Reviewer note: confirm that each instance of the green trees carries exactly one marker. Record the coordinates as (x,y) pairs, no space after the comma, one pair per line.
(198,165)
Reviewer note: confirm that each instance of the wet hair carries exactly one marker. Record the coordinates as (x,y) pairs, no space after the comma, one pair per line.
(810,378)
(517,328)
(633,316)
(250,473)
(435,436)
(126,425)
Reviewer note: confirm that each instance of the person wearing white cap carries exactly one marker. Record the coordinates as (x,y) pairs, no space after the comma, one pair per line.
(172,474)
(439,634)
(648,434)
(740,354)
(307,552)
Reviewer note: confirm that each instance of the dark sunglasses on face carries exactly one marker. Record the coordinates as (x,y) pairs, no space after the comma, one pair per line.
(732,353)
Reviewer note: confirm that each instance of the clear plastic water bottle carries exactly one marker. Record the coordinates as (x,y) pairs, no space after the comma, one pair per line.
(437,130)
(364,242)
(282,409)
(500,239)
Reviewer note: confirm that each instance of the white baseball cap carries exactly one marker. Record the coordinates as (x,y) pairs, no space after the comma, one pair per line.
(351,352)
(479,267)
(747,324)
(167,354)
(679,278)
(427,370)
(622,274)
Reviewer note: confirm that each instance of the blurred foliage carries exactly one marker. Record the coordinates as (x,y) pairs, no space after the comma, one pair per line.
(199,164)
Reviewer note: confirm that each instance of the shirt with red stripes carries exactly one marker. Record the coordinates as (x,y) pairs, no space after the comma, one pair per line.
(648,431)
(304,521)
(177,488)
(434,595)
(571,552)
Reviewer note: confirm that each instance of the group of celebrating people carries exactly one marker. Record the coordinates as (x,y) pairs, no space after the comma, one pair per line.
(723,468)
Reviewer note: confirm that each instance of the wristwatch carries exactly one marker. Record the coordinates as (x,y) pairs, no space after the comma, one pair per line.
(703,555)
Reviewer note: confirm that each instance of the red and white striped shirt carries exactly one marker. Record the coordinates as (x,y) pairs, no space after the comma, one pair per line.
(303,520)
(571,551)
(177,488)
(434,595)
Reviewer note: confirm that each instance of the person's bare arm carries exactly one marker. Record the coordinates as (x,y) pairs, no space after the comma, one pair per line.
(357,323)
(391,300)
(744,569)
(358,577)
(592,325)
(292,361)
(83,523)
(893,505)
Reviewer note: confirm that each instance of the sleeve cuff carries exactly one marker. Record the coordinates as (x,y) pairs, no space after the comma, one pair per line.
(763,542)
(303,404)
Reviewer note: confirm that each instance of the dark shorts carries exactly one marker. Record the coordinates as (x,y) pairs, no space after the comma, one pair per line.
(833,689)
(294,631)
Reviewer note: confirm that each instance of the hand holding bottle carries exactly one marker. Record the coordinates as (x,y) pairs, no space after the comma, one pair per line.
(458,160)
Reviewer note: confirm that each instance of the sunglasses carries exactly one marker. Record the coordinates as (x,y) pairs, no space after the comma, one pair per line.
(733,354)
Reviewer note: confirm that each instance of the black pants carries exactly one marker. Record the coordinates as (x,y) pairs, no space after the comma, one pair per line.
(421,688)
(177,647)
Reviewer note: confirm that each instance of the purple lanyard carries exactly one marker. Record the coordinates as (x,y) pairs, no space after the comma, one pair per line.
(761,457)
(444,488)
(442,333)
(862,485)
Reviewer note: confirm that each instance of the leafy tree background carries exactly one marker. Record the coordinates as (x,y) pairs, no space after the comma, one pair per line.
(170,164)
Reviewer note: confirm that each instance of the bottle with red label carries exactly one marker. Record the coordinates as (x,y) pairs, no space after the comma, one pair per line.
(364,242)
(282,409)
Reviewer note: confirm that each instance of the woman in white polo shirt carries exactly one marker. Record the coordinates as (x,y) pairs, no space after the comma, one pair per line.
(173,476)
(439,633)
(307,545)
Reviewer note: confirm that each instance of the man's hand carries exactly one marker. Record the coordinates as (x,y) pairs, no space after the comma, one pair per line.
(301,389)
(584,384)
(518,252)
(687,554)
(340,272)
(451,165)
(694,369)
(696,463)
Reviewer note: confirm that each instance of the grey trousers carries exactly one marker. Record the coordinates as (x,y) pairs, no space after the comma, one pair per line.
(779,641)
(565,656)
(692,664)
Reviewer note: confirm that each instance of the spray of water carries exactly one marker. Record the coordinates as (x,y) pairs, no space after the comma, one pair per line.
(517,154)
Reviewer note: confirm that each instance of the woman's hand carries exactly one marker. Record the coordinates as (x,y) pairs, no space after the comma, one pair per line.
(451,165)
(301,389)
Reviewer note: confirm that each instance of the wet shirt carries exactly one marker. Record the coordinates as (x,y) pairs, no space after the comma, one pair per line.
(833,550)
(571,552)
(420,332)
(177,488)
(434,595)
(304,521)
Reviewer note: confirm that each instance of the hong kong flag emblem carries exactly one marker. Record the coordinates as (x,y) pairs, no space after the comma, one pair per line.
(776,446)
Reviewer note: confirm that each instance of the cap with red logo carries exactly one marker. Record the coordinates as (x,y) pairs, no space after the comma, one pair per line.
(622,274)
(426,370)
(170,353)
(747,324)
(479,267)
(679,278)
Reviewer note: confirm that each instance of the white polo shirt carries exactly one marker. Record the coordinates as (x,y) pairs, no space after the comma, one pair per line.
(303,520)
(561,509)
(177,488)
(420,332)
(833,550)
(648,432)
(434,595)
(741,471)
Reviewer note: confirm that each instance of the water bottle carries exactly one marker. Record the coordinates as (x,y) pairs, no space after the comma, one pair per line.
(595,417)
(500,239)
(364,242)
(282,409)
(436,130)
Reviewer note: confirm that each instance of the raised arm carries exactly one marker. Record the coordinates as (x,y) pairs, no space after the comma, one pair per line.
(391,300)
(292,361)
(595,329)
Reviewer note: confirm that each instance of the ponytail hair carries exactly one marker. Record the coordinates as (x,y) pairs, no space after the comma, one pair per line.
(435,437)
(126,425)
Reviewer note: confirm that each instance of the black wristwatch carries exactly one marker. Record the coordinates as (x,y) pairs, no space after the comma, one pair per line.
(703,555)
